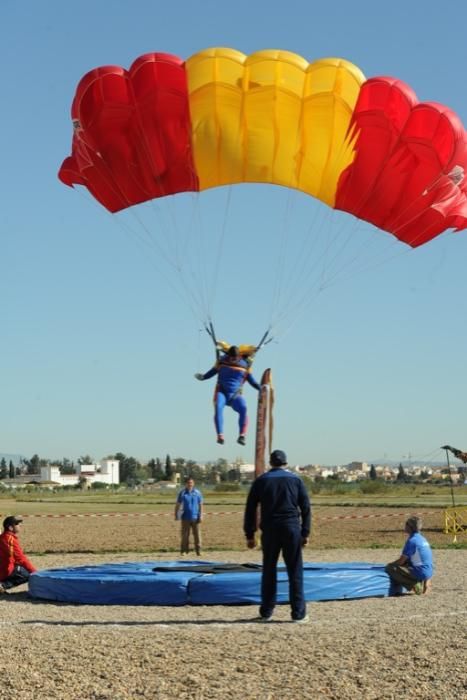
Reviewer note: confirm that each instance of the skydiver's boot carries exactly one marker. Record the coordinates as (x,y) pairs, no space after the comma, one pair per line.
(220,439)
(241,440)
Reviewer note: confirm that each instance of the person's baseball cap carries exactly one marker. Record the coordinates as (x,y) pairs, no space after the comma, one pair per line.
(10,521)
(278,458)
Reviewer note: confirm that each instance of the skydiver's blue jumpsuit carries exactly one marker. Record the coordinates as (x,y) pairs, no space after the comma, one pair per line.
(285,521)
(232,373)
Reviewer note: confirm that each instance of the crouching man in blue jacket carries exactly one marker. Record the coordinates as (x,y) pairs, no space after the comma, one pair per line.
(414,568)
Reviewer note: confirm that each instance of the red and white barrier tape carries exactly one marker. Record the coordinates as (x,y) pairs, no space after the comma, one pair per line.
(224,512)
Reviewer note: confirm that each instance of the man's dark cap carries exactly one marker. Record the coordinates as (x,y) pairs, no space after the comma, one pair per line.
(233,351)
(10,521)
(278,458)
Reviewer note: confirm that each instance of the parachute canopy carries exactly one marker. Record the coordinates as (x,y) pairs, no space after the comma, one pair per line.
(367,147)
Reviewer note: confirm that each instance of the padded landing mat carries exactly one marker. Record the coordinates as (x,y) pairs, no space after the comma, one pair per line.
(200,583)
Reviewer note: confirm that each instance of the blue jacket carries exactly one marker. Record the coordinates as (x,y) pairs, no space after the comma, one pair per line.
(233,373)
(283,499)
(418,551)
(191,503)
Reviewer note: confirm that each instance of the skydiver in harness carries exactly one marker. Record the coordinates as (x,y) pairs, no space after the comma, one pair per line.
(233,370)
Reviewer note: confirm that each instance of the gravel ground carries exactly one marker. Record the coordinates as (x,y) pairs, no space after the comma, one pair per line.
(408,647)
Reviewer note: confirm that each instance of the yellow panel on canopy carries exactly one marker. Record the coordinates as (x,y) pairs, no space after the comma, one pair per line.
(271,117)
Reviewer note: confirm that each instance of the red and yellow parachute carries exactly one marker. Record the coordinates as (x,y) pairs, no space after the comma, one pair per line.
(367,147)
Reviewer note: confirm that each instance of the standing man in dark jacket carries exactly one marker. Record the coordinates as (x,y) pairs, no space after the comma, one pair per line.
(285,526)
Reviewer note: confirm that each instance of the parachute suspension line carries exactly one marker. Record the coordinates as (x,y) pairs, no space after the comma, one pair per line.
(148,244)
(191,268)
(209,328)
(312,293)
(264,340)
(313,290)
(196,292)
(353,229)
(192,296)
(200,268)
(395,241)
(181,290)
(281,260)
(303,271)
(206,280)
(300,271)
(149,240)
(367,243)
(425,192)
(220,244)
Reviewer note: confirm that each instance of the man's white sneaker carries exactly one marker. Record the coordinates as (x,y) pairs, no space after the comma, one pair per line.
(302,620)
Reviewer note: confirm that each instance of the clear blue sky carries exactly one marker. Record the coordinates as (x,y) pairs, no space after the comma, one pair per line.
(99,351)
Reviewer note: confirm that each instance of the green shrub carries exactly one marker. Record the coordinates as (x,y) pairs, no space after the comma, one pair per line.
(226,487)
(369,486)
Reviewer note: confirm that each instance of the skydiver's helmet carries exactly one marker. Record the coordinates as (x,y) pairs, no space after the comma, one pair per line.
(233,351)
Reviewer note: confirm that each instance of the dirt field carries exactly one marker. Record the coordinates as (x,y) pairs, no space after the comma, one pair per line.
(222,529)
(375,649)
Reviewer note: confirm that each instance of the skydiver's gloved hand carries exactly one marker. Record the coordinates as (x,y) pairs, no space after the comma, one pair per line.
(199,376)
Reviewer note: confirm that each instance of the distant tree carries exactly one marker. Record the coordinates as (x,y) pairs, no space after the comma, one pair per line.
(130,469)
(156,469)
(373,474)
(82,483)
(180,467)
(401,475)
(12,470)
(3,469)
(193,469)
(86,459)
(68,467)
(33,465)
(233,475)
(168,468)
(222,468)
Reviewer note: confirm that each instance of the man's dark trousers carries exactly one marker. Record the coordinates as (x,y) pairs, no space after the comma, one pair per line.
(285,537)
(18,576)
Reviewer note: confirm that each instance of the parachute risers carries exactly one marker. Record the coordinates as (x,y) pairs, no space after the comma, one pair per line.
(264,421)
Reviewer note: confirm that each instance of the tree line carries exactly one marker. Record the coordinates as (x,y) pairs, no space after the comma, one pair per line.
(133,471)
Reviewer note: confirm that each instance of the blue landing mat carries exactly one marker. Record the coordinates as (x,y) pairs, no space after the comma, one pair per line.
(200,583)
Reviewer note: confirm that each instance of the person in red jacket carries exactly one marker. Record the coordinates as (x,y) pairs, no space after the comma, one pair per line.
(15,567)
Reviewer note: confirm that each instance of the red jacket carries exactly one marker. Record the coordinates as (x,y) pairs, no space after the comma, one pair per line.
(12,555)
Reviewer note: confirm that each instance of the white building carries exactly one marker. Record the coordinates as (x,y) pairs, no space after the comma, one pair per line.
(107,471)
